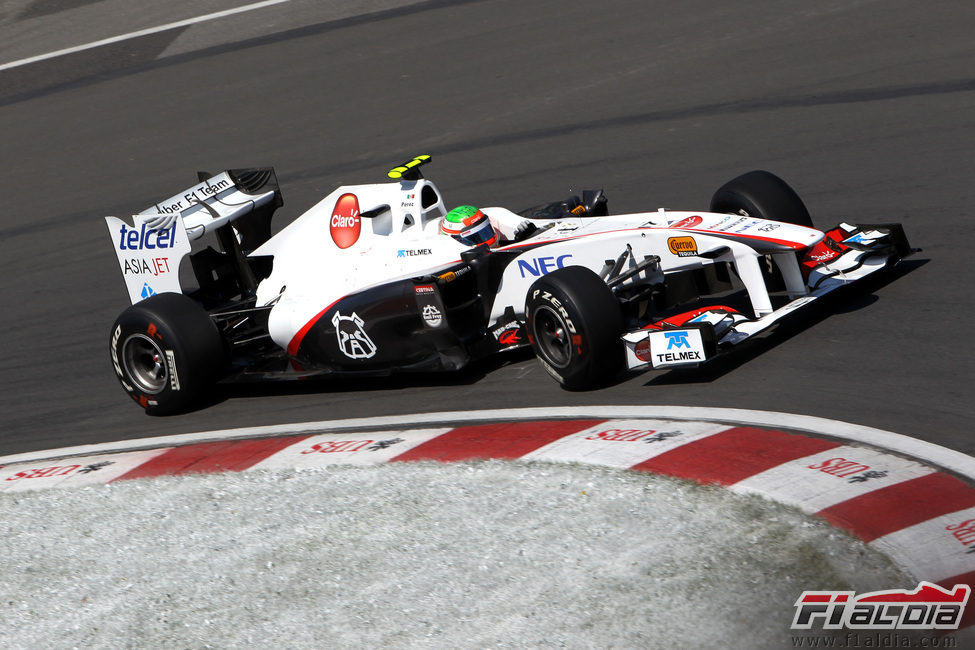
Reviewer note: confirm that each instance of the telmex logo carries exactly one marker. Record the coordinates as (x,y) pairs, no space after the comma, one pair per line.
(345,225)
(677,340)
(682,246)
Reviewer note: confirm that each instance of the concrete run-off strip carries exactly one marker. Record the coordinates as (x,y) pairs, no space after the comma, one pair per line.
(911,500)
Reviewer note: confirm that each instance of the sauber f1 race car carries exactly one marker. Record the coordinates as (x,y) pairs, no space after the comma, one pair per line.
(372,281)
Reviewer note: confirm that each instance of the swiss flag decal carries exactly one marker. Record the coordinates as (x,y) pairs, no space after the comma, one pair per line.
(346,224)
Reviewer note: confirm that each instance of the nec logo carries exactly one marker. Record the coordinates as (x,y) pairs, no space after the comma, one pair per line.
(539,266)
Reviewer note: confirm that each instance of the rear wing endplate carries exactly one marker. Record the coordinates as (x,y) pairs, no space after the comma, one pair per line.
(149,250)
(148,257)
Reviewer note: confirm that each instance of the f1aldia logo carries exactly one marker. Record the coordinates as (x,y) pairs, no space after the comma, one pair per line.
(345,225)
(929,607)
(352,338)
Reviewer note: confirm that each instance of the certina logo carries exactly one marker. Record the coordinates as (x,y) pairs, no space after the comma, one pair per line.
(131,239)
(352,338)
(929,607)
(345,225)
(539,266)
(682,246)
(412,252)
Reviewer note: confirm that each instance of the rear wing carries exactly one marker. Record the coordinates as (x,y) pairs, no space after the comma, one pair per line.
(150,250)
(221,199)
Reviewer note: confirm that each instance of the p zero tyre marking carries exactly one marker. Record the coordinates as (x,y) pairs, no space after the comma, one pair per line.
(115,360)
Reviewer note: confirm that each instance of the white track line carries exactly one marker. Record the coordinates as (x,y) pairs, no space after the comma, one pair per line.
(142,32)
(937,455)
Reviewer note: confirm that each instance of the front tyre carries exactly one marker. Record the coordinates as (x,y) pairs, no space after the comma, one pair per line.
(574,325)
(763,195)
(166,352)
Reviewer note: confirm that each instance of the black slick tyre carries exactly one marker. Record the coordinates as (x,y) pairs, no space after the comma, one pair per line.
(574,325)
(167,353)
(763,195)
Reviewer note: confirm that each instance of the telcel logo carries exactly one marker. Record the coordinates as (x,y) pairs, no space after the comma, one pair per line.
(539,266)
(143,239)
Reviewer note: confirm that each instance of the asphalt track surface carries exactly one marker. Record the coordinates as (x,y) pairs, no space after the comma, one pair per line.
(865,107)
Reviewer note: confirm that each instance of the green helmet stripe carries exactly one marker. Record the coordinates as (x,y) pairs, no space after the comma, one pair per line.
(458,214)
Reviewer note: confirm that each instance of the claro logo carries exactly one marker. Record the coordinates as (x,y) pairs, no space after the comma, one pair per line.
(682,246)
(345,225)
(689,222)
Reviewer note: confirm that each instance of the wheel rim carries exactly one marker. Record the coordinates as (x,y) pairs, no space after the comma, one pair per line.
(144,363)
(551,337)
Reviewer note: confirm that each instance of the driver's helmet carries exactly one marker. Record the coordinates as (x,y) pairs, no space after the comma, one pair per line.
(469,226)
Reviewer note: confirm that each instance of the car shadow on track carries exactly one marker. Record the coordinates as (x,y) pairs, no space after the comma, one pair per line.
(325,385)
(842,301)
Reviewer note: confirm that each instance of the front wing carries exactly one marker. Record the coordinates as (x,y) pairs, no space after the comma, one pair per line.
(847,255)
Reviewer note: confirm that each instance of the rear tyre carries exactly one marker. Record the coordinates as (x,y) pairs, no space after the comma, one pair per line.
(167,353)
(763,195)
(574,324)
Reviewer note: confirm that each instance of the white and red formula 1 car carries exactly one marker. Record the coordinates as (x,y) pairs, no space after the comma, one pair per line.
(366,283)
